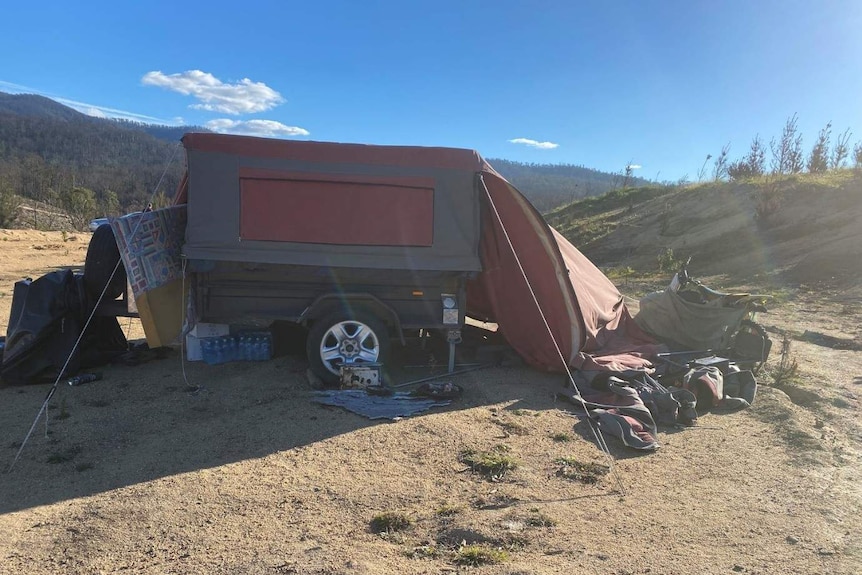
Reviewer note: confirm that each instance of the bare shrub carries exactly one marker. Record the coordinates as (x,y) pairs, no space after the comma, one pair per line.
(818,160)
(702,171)
(752,165)
(719,169)
(788,368)
(841,150)
(787,151)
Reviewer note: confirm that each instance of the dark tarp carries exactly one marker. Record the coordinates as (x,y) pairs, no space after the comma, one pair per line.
(45,323)
(670,317)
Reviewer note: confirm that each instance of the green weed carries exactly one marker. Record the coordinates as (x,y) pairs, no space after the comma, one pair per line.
(494,464)
(539,519)
(447,510)
(572,469)
(389,522)
(512,427)
(476,555)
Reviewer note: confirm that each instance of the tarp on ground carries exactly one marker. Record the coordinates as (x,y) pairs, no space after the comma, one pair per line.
(669,317)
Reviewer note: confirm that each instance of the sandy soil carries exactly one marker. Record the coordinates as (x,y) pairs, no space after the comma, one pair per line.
(172,468)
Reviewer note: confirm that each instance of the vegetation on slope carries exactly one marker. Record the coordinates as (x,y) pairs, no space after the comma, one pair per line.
(801,225)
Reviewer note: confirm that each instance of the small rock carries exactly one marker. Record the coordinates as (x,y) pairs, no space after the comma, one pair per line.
(792,540)
(738,568)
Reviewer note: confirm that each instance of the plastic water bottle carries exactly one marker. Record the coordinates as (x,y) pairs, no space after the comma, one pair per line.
(253,347)
(234,348)
(228,349)
(207,351)
(266,348)
(84,378)
(220,346)
(249,347)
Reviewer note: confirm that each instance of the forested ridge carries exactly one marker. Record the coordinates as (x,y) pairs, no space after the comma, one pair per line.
(60,157)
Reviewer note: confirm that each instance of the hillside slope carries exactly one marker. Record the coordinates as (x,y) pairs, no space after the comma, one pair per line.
(801,229)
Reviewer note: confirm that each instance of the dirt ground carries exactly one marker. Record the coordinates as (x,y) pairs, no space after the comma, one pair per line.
(187,468)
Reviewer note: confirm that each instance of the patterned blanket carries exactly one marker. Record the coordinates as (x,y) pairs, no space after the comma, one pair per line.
(150,245)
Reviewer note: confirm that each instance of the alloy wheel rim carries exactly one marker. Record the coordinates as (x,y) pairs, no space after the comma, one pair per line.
(348,342)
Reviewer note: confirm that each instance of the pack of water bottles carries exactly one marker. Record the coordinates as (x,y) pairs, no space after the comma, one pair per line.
(246,346)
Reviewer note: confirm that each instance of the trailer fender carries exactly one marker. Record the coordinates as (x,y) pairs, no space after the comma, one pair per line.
(325,304)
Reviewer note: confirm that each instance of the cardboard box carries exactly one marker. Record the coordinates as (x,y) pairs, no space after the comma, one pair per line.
(202,331)
(210,330)
(193,348)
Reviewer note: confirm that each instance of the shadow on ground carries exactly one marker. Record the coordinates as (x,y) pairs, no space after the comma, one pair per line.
(167,417)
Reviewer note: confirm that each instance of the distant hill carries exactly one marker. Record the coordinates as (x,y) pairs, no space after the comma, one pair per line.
(33,106)
(171,134)
(46,146)
(550,185)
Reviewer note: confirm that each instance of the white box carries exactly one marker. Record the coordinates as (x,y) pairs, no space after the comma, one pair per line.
(193,348)
(202,331)
(210,330)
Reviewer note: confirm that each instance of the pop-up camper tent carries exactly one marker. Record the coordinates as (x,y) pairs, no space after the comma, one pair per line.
(394,209)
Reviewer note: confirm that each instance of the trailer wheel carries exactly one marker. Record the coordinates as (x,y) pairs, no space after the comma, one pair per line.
(102,258)
(343,338)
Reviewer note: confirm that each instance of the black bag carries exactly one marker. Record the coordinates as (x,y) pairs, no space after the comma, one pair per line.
(751,343)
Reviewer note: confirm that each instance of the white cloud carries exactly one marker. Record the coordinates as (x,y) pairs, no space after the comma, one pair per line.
(18,88)
(113,113)
(93,111)
(535,143)
(266,128)
(243,97)
(635,166)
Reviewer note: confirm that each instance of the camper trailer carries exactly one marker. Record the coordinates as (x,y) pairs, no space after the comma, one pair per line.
(359,243)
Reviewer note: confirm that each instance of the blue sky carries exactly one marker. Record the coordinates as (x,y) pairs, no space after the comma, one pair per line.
(601,84)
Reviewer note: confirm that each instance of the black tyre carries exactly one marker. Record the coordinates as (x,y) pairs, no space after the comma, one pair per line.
(346,338)
(102,258)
